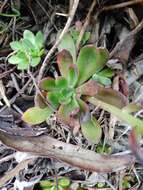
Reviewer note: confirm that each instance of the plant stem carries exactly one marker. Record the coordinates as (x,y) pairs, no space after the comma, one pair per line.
(121,5)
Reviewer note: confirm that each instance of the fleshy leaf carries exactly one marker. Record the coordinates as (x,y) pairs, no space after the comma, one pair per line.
(23,65)
(67,43)
(16,45)
(84,108)
(53,98)
(64,60)
(101,79)
(46,184)
(22,56)
(35,61)
(72,75)
(91,128)
(64,182)
(36,115)
(89,88)
(65,96)
(75,34)
(41,52)
(66,112)
(132,107)
(90,60)
(106,73)
(48,84)
(89,125)
(55,188)
(21,59)
(24,61)
(14,59)
(112,97)
(27,45)
(39,39)
(61,83)
(119,113)
(28,35)
(86,37)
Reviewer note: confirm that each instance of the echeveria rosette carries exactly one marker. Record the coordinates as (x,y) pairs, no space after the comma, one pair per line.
(67,93)
(61,92)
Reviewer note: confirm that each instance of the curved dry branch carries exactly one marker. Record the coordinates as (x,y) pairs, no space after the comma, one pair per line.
(46,146)
(51,51)
(14,172)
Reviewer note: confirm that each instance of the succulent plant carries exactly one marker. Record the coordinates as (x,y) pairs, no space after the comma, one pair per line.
(66,94)
(63,184)
(27,51)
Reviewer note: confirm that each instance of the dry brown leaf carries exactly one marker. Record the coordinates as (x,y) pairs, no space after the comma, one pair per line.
(72,154)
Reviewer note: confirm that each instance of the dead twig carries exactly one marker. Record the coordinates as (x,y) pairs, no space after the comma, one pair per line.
(68,23)
(3,5)
(3,95)
(4,74)
(87,20)
(12,100)
(7,158)
(38,90)
(14,172)
(121,5)
(135,147)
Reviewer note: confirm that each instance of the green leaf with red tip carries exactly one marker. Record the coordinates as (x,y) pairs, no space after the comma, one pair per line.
(91,128)
(90,60)
(48,84)
(36,115)
(61,83)
(64,60)
(112,97)
(72,75)
(67,43)
(66,112)
(89,88)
